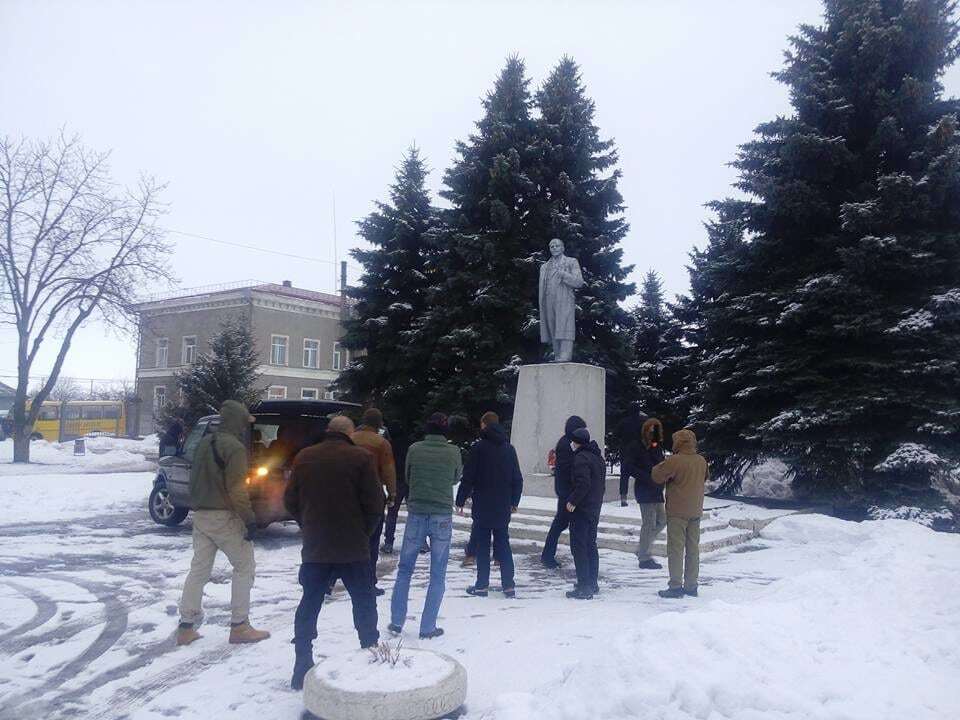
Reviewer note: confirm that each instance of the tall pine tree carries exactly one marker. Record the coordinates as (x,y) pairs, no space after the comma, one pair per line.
(390,297)
(648,336)
(831,331)
(660,362)
(519,181)
(479,306)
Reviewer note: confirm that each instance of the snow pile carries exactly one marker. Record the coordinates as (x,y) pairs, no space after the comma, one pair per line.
(872,636)
(767,479)
(53,497)
(105,443)
(360,671)
(49,457)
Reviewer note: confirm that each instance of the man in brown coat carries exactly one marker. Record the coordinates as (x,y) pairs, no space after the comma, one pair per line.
(368,436)
(685,473)
(335,495)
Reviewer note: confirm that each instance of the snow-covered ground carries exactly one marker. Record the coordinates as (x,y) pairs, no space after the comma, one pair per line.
(817,618)
(103,455)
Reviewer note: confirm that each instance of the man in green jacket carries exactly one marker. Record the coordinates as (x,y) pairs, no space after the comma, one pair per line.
(432,469)
(223,520)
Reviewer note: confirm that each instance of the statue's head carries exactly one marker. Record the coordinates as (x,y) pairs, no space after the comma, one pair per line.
(556,247)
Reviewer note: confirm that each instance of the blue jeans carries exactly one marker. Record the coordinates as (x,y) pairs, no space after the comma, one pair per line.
(438,527)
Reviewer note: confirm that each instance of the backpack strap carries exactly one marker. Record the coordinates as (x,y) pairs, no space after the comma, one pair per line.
(221,463)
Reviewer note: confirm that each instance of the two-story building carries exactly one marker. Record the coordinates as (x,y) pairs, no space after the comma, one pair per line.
(297,333)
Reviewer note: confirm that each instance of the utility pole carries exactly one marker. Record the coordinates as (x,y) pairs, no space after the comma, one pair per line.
(334,239)
(343,290)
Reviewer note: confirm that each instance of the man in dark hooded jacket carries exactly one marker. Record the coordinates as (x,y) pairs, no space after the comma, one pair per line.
(562,482)
(583,504)
(631,448)
(648,493)
(223,520)
(492,477)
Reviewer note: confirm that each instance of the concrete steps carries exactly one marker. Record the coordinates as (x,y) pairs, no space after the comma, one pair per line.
(616,532)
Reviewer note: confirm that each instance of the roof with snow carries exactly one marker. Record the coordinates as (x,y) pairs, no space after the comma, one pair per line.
(284,289)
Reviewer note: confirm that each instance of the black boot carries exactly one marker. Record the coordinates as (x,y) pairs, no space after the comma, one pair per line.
(302,665)
(671,593)
(650,564)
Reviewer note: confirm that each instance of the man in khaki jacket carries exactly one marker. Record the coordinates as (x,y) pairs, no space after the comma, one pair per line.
(223,520)
(685,473)
(368,437)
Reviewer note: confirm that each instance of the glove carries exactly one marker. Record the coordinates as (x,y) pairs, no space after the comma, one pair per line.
(251,531)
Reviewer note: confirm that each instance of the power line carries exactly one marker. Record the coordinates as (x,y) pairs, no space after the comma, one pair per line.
(260,249)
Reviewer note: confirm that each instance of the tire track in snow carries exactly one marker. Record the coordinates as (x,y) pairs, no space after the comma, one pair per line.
(114,625)
(46,609)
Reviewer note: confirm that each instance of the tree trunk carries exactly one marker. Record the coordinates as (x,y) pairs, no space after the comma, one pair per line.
(21,447)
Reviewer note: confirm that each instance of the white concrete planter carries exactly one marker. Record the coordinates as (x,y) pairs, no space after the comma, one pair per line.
(427,686)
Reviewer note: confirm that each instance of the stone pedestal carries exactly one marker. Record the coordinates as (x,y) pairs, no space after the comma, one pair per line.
(547,395)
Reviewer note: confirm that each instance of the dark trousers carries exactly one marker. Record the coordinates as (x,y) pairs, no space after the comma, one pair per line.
(583,544)
(625,472)
(315,578)
(501,550)
(390,528)
(471,550)
(375,551)
(561,521)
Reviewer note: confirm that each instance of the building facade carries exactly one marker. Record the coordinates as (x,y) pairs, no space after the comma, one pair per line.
(297,333)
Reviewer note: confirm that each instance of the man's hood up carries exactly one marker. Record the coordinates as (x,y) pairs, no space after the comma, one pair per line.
(234,419)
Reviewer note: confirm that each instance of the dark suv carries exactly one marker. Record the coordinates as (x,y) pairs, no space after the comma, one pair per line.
(282,428)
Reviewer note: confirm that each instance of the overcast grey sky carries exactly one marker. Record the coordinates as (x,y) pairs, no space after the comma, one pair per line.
(257,113)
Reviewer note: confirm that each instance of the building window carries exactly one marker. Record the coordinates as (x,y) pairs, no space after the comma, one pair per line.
(159,398)
(311,353)
(309,393)
(188,354)
(278,349)
(162,345)
(277,392)
(337,358)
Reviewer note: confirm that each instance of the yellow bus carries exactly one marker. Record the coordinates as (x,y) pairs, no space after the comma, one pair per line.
(59,421)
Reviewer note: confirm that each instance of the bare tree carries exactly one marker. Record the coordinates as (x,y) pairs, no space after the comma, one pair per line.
(73,246)
(66,388)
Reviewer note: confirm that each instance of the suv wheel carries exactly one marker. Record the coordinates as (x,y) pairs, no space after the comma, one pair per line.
(162,509)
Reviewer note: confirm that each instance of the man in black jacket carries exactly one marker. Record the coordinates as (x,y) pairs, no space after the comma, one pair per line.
(562,482)
(491,476)
(631,447)
(584,503)
(648,493)
(335,495)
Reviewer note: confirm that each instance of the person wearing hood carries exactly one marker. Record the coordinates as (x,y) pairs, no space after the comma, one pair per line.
(562,482)
(223,520)
(648,493)
(685,474)
(584,503)
(492,478)
(631,438)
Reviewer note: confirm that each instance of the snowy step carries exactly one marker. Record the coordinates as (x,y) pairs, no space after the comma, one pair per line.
(623,517)
(713,536)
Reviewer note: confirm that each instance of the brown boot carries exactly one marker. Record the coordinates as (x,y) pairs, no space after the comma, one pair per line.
(244,633)
(186,635)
